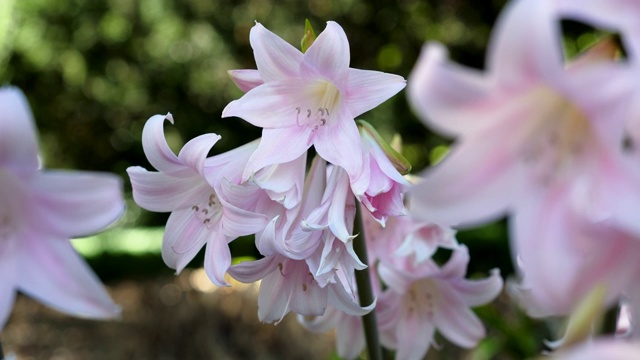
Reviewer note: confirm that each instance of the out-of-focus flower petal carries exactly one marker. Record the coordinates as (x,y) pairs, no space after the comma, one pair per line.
(18,141)
(447,95)
(456,321)
(414,336)
(58,277)
(475,183)
(514,62)
(76,203)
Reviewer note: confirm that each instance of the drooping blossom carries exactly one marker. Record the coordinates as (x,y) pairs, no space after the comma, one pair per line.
(208,205)
(288,285)
(41,210)
(307,99)
(423,298)
(309,259)
(539,140)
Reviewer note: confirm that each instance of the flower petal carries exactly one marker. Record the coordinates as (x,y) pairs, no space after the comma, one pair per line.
(276,59)
(479,292)
(273,104)
(274,296)
(445,95)
(350,337)
(328,56)
(473,184)
(455,320)
(217,259)
(18,139)
(159,192)
(368,89)
(415,332)
(56,275)
(195,151)
(246,80)
(76,203)
(514,62)
(343,301)
(340,144)
(250,271)
(183,238)
(156,148)
(278,146)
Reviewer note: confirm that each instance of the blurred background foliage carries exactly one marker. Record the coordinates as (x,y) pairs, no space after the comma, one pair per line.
(95,71)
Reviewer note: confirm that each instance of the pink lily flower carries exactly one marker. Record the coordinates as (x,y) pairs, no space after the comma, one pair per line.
(207,203)
(539,140)
(40,211)
(422,298)
(307,99)
(404,236)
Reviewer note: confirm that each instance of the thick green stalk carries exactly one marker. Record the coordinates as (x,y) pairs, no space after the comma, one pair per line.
(365,290)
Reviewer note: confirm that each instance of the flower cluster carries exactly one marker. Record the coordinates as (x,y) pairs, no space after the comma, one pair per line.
(303,221)
(548,141)
(41,209)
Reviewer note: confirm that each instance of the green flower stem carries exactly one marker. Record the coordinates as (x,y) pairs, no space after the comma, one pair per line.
(365,290)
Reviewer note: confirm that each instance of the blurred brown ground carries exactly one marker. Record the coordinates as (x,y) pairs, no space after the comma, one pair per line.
(165,318)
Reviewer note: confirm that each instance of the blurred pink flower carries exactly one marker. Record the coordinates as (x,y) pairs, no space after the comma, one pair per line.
(541,141)
(307,99)
(598,349)
(40,211)
(207,203)
(424,298)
